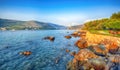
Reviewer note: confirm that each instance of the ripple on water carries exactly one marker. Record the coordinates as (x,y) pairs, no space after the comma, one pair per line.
(44,52)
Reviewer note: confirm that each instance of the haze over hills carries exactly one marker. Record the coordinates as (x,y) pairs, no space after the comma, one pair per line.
(75,27)
(21,25)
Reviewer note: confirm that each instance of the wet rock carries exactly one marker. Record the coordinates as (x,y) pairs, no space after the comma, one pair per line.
(82,43)
(73,53)
(26,53)
(51,38)
(84,54)
(67,50)
(67,37)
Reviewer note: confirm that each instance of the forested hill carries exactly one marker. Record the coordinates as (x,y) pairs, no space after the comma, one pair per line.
(112,23)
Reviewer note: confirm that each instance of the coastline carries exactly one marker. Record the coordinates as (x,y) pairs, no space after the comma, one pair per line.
(96,52)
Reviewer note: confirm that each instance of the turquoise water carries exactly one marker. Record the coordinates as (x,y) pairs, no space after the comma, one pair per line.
(44,52)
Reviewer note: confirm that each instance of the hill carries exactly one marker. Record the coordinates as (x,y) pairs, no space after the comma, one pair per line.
(112,23)
(21,25)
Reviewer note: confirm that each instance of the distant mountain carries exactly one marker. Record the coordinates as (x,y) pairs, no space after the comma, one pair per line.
(75,27)
(20,25)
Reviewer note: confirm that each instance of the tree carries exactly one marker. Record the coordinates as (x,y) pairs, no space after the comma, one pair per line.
(115,16)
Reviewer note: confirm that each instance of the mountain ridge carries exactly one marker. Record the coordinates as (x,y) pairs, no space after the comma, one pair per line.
(9,24)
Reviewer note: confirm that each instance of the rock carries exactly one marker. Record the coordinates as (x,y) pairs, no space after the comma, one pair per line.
(112,47)
(73,53)
(71,66)
(57,60)
(67,37)
(98,64)
(69,45)
(82,43)
(92,64)
(67,50)
(26,53)
(51,38)
(79,33)
(114,32)
(114,58)
(92,69)
(99,50)
(3,28)
(76,34)
(84,54)
(118,32)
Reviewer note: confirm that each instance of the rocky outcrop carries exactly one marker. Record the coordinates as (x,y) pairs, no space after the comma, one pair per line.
(97,52)
(101,39)
(84,55)
(100,50)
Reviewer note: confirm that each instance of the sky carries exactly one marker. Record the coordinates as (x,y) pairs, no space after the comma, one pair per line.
(62,12)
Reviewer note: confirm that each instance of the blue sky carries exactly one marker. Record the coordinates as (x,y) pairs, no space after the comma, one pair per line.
(63,12)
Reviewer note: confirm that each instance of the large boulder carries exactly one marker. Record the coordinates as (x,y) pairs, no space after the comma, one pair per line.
(112,47)
(84,55)
(82,43)
(92,64)
(99,50)
(97,64)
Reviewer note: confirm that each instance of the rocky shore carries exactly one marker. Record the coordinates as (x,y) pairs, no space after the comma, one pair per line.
(96,52)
